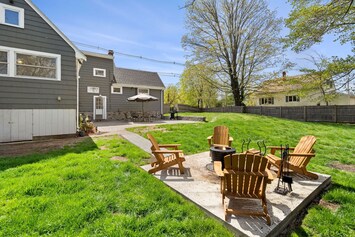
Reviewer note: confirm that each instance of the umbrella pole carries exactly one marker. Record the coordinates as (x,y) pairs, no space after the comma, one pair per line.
(142,111)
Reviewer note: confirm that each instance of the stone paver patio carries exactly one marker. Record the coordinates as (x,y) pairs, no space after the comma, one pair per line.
(202,186)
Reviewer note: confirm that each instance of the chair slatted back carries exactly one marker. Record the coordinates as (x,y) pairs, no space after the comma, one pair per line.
(305,145)
(221,135)
(246,175)
(155,147)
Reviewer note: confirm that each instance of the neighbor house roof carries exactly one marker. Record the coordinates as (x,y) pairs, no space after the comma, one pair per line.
(287,84)
(78,53)
(136,78)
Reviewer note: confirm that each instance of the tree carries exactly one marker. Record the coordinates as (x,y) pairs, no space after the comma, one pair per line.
(318,82)
(237,38)
(324,78)
(198,86)
(171,95)
(310,20)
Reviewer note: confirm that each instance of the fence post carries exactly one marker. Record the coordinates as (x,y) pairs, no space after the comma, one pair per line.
(335,114)
(261,110)
(280,111)
(305,113)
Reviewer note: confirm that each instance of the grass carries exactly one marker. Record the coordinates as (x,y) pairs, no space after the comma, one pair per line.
(335,142)
(79,191)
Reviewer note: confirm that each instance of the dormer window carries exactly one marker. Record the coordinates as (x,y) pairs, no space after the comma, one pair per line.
(99,72)
(12,16)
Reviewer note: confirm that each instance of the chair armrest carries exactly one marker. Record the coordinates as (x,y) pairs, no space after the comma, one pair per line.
(277,148)
(219,146)
(167,152)
(302,154)
(169,145)
(217,166)
(230,141)
(270,177)
(209,139)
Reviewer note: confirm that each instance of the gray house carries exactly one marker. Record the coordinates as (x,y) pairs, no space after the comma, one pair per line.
(39,71)
(104,90)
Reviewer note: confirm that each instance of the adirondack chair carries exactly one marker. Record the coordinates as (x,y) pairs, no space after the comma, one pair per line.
(220,137)
(165,158)
(298,159)
(245,176)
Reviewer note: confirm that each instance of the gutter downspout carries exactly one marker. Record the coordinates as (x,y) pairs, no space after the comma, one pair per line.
(78,67)
(162,103)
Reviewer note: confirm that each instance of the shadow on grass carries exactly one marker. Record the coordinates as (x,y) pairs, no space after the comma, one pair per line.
(11,162)
(339,186)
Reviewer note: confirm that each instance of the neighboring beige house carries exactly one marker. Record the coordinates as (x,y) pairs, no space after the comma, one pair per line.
(288,91)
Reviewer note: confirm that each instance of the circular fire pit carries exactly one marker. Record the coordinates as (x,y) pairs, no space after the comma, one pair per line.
(219,152)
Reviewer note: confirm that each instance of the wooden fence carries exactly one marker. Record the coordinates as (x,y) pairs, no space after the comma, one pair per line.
(333,113)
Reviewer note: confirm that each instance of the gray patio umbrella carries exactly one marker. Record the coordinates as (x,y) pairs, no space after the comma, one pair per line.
(142,98)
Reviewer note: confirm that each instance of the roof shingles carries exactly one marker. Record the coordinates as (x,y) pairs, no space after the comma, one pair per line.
(126,76)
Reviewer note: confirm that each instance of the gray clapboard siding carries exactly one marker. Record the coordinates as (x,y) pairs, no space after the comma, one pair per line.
(87,78)
(119,103)
(21,93)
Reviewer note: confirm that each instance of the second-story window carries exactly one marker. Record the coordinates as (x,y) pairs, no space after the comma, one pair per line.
(143,91)
(12,16)
(292,98)
(3,63)
(99,72)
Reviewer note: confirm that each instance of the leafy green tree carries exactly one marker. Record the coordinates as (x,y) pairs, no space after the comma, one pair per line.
(171,95)
(310,20)
(237,38)
(198,86)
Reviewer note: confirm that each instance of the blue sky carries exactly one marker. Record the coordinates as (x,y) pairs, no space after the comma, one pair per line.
(147,28)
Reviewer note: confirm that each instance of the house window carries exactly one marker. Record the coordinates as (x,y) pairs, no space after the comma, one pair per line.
(12,16)
(98,72)
(292,98)
(266,101)
(143,91)
(29,64)
(3,63)
(116,90)
(95,90)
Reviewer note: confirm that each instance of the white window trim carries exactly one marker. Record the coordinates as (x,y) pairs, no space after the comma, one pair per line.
(139,88)
(93,92)
(12,62)
(8,62)
(112,92)
(99,69)
(21,13)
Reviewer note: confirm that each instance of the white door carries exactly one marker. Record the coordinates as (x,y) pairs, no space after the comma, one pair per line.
(15,125)
(99,111)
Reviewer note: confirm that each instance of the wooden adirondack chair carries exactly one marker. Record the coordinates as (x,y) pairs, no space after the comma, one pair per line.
(220,137)
(245,176)
(298,159)
(165,158)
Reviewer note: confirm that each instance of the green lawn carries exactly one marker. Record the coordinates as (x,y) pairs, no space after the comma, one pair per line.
(335,143)
(79,191)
